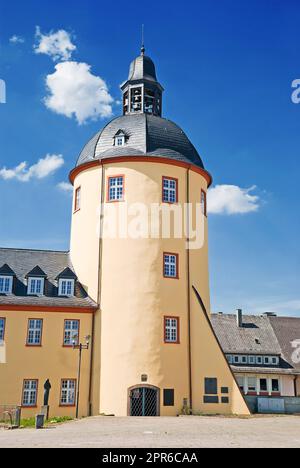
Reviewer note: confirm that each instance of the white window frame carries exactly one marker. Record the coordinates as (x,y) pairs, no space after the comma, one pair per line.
(66,287)
(171,329)
(252,360)
(276,360)
(68,392)
(279,384)
(259,358)
(229,358)
(77,201)
(170,265)
(255,386)
(116,188)
(269,359)
(236,359)
(246,360)
(34,333)
(71,333)
(36,286)
(29,396)
(170,190)
(239,379)
(6,283)
(120,140)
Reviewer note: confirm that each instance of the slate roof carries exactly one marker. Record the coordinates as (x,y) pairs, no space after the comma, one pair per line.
(257,336)
(287,331)
(261,335)
(147,135)
(52,263)
(142,68)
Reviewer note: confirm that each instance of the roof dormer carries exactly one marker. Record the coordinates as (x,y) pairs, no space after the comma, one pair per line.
(120,138)
(66,283)
(36,282)
(6,279)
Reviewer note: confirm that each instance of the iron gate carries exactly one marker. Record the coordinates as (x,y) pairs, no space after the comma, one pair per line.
(144,401)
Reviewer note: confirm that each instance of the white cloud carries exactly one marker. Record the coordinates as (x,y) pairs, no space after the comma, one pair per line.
(43,168)
(58,45)
(65,187)
(231,199)
(75,91)
(16,39)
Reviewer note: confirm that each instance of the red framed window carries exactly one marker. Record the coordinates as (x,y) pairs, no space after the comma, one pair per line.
(2,329)
(169,190)
(171,330)
(68,392)
(116,188)
(29,394)
(71,332)
(171,265)
(34,332)
(77,202)
(204,202)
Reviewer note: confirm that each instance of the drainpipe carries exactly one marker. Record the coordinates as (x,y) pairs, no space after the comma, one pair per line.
(189,295)
(295,385)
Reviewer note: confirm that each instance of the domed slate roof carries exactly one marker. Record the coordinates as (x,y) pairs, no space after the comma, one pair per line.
(146,135)
(142,68)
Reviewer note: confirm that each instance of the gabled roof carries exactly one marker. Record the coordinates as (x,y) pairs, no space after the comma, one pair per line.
(67,273)
(255,337)
(5,270)
(36,272)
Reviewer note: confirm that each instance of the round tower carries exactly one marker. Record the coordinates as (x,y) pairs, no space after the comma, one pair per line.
(153,345)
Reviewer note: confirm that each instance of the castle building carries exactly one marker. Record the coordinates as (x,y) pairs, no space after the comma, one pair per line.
(144,300)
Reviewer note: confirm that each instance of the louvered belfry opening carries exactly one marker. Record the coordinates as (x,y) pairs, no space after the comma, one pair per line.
(144,401)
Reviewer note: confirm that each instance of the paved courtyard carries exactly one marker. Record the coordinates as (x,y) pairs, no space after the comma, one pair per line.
(195,432)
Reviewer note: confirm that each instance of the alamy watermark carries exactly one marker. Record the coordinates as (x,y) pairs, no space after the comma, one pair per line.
(296,94)
(153,221)
(2,92)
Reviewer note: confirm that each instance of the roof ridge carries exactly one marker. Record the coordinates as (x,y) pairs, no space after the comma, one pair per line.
(17,249)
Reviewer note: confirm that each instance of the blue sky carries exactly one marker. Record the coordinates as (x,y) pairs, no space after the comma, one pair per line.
(227,68)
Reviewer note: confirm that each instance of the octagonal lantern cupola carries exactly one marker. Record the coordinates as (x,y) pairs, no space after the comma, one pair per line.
(142,93)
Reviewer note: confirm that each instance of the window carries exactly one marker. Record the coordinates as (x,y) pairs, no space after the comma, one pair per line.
(263,384)
(259,360)
(168,397)
(115,188)
(6,284)
(170,265)
(66,287)
(120,141)
(171,330)
(244,359)
(252,360)
(275,386)
(68,391)
(275,361)
(170,190)
(229,358)
(240,381)
(34,334)
(2,329)
(29,397)
(36,286)
(252,384)
(77,205)
(203,202)
(136,99)
(266,360)
(71,332)
(236,359)
(211,386)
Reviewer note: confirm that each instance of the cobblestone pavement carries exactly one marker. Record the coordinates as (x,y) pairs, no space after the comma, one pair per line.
(195,432)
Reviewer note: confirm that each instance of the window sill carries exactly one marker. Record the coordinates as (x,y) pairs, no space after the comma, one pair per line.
(33,346)
(67,406)
(28,407)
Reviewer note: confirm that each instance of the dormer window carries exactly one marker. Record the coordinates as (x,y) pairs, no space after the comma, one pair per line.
(66,287)
(35,286)
(66,282)
(6,284)
(120,138)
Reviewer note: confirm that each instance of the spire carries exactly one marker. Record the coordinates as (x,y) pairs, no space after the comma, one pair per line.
(143,50)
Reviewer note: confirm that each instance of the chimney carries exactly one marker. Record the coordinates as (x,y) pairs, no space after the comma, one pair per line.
(239,318)
(269,314)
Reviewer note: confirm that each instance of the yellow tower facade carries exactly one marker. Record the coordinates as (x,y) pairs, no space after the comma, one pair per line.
(139,245)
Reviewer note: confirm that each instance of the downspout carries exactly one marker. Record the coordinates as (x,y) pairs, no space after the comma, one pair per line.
(295,385)
(189,293)
(99,284)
